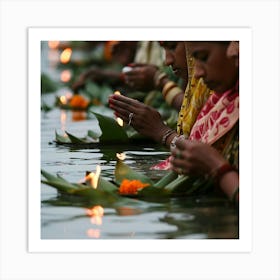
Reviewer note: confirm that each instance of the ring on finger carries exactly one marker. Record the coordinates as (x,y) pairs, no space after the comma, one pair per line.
(130,116)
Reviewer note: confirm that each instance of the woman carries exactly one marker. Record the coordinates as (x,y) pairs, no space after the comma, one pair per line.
(146,120)
(212,148)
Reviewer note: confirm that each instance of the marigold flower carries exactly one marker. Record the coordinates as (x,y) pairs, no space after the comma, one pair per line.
(131,186)
(78,101)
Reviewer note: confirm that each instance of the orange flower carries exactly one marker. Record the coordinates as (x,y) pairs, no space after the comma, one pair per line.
(78,101)
(131,186)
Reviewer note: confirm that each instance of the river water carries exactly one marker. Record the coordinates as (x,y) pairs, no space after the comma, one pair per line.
(68,218)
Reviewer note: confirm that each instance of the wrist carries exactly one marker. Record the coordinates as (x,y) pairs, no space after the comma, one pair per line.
(218,173)
(159,78)
(165,135)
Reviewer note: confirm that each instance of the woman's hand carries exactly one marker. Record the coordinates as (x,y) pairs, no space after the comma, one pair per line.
(141,77)
(192,157)
(145,119)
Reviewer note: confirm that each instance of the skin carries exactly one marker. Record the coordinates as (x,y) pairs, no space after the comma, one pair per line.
(233,51)
(146,120)
(122,53)
(141,77)
(220,73)
(175,57)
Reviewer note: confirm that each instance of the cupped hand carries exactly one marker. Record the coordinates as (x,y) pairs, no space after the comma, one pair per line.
(192,157)
(141,76)
(145,119)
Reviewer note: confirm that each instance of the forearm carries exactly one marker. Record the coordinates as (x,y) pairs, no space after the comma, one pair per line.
(172,93)
(229,184)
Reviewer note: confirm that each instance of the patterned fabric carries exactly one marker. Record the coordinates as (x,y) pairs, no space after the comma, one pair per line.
(195,97)
(217,124)
(217,117)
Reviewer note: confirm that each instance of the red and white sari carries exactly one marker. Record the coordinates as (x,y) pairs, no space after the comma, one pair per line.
(217,117)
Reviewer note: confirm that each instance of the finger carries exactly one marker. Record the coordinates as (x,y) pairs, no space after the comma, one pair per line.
(183,144)
(180,166)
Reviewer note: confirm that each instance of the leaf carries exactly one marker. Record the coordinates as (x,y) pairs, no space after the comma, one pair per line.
(188,185)
(111,131)
(94,134)
(61,139)
(167,179)
(105,190)
(59,183)
(123,171)
(74,139)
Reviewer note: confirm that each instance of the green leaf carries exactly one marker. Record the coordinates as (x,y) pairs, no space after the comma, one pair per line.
(123,171)
(167,179)
(189,185)
(61,139)
(111,131)
(58,182)
(74,139)
(105,190)
(94,134)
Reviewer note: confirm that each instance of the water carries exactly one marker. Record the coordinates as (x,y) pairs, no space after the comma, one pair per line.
(66,217)
(69,218)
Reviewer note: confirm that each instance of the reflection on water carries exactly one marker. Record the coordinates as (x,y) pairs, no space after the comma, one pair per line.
(65,217)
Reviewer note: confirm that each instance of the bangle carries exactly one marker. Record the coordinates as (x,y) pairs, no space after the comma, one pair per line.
(171,94)
(218,173)
(234,195)
(167,87)
(172,143)
(158,77)
(165,135)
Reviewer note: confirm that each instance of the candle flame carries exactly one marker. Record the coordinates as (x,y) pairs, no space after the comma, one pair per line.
(121,156)
(120,121)
(66,55)
(63,99)
(53,44)
(92,178)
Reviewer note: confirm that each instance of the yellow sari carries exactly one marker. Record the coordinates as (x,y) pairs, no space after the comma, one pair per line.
(195,96)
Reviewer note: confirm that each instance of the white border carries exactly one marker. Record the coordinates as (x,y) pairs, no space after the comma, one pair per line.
(262,16)
(244,243)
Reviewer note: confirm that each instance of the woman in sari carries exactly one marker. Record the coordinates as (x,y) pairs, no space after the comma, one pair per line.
(147,121)
(212,148)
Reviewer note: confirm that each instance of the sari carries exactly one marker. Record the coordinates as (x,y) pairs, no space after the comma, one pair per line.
(195,96)
(217,124)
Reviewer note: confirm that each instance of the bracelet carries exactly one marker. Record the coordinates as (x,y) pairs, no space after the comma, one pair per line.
(172,143)
(158,77)
(218,173)
(171,94)
(165,135)
(167,87)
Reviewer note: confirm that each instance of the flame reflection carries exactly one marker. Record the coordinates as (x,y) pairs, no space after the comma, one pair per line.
(53,44)
(93,233)
(65,76)
(121,156)
(96,213)
(66,55)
